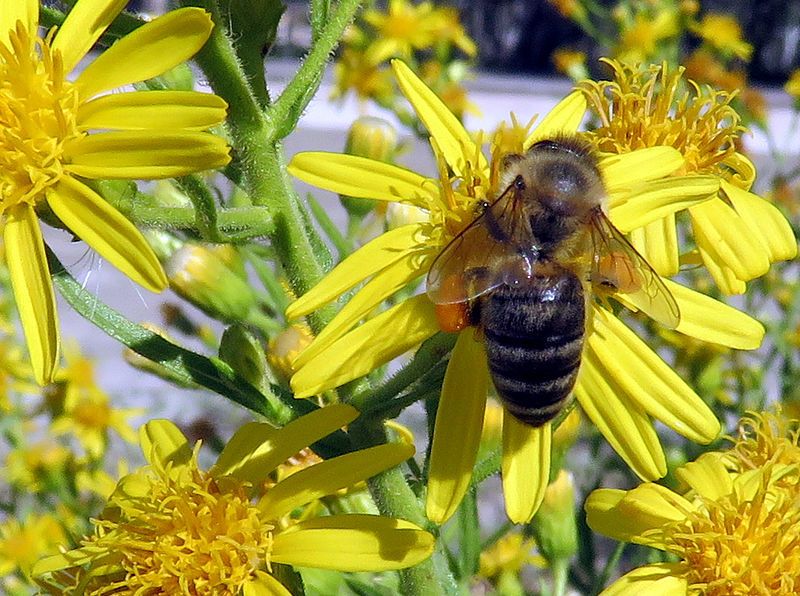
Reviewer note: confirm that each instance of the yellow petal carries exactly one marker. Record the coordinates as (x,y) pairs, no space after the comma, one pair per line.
(369,346)
(107,231)
(526,467)
(723,237)
(376,255)
(253,460)
(329,476)
(713,321)
(723,276)
(625,171)
(242,445)
(383,284)
(145,154)
(744,172)
(147,52)
(264,585)
(361,177)
(765,222)
(647,381)
(452,138)
(625,426)
(156,110)
(12,11)
(457,432)
(33,291)
(656,579)
(658,199)
(707,475)
(162,442)
(352,543)
(631,516)
(657,242)
(564,118)
(84,25)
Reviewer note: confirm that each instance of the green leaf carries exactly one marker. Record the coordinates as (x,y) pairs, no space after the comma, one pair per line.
(211,373)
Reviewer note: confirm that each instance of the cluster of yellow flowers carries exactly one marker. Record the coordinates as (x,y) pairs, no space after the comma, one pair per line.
(288,495)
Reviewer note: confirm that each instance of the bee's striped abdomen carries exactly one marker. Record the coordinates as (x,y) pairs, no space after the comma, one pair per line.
(534,339)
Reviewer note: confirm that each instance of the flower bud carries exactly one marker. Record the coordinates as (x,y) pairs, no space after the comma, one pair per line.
(202,278)
(284,348)
(243,352)
(554,525)
(373,138)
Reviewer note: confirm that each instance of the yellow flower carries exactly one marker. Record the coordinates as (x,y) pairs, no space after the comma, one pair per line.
(81,408)
(766,438)
(23,543)
(723,32)
(737,233)
(356,71)
(570,62)
(622,382)
(792,86)
(50,139)
(401,30)
(32,467)
(731,533)
(639,40)
(167,521)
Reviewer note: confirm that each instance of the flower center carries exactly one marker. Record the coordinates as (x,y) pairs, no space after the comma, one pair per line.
(37,117)
(639,110)
(188,533)
(735,545)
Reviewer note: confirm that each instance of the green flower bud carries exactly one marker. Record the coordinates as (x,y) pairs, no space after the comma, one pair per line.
(554,525)
(373,138)
(201,277)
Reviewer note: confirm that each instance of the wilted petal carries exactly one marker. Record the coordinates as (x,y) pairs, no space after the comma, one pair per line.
(352,543)
(525,467)
(457,432)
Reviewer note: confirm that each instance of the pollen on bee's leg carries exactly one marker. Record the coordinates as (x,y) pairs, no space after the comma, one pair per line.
(619,271)
(453,317)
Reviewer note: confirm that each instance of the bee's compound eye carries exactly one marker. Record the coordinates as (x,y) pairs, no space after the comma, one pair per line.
(519,183)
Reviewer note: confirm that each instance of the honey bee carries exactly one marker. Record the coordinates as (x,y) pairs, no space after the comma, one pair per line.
(525,270)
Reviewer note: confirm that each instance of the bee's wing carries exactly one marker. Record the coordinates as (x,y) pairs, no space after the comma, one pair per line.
(497,248)
(617,264)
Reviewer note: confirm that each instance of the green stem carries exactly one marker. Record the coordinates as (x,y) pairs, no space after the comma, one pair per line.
(244,222)
(264,172)
(394,498)
(560,576)
(287,109)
